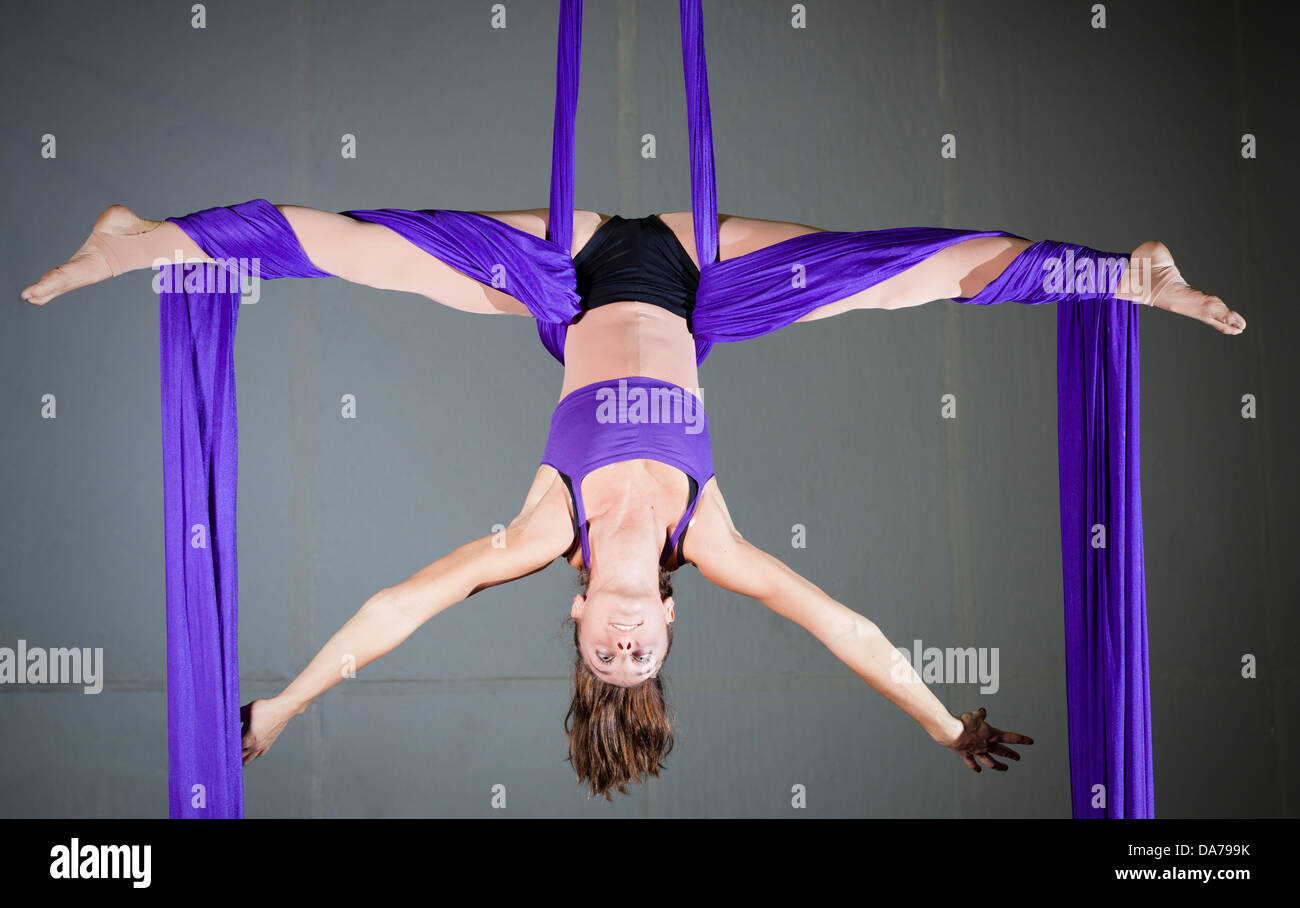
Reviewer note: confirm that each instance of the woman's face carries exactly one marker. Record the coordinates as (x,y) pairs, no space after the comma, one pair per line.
(623,638)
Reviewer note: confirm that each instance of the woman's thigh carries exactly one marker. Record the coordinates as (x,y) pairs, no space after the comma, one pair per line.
(959,270)
(373,254)
(962,269)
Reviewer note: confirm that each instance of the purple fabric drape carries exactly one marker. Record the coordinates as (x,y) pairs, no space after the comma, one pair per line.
(1107,687)
(198,311)
(200,476)
(559,229)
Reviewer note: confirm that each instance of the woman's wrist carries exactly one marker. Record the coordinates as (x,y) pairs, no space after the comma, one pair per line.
(947,730)
(288,706)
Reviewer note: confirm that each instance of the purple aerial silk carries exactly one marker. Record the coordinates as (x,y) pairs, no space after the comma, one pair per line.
(738,299)
(559,227)
(197,314)
(1107,686)
(200,467)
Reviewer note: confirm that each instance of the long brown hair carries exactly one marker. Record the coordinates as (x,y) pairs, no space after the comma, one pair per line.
(617,734)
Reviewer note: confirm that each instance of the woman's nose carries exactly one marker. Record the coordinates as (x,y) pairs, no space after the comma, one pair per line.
(624,644)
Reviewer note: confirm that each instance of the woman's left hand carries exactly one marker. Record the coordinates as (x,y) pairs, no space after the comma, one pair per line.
(980,740)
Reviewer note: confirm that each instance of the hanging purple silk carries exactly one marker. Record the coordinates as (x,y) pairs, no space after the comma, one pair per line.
(568,67)
(1102,557)
(200,470)
(197,314)
(559,229)
(699,131)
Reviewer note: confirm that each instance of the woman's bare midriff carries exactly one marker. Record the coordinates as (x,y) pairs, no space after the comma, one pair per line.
(619,340)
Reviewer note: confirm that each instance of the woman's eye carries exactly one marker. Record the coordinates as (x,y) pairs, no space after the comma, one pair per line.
(643,658)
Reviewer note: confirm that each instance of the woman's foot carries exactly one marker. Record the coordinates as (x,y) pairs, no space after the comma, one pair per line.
(1163,287)
(95,261)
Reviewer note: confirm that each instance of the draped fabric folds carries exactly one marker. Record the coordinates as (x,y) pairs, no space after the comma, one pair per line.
(197,315)
(1107,687)
(200,476)
(738,299)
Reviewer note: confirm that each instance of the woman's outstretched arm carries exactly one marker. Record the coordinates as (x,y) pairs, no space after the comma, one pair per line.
(542,532)
(725,558)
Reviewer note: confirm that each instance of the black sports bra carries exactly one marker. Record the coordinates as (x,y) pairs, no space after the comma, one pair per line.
(638,259)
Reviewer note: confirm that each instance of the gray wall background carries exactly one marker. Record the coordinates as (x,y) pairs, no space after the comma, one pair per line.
(942,531)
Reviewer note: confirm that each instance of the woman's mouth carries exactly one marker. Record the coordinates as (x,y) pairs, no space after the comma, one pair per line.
(624,628)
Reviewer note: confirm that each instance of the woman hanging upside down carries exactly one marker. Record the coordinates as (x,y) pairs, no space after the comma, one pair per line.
(626,492)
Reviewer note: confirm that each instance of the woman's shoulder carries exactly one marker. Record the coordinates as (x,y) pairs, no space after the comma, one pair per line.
(547,490)
(710,525)
(547,515)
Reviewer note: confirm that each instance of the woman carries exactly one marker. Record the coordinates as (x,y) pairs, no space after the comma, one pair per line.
(624,493)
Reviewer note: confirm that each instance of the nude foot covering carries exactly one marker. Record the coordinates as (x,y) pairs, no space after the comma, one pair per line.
(1155,280)
(140,250)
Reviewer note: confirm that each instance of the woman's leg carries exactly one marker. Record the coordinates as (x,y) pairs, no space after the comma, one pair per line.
(372,254)
(359,251)
(965,268)
(962,269)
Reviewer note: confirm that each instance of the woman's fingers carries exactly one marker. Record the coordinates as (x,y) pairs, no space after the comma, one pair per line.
(1003,752)
(1010,737)
(252,749)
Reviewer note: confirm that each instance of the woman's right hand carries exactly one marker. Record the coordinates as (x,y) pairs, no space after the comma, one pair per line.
(261,722)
